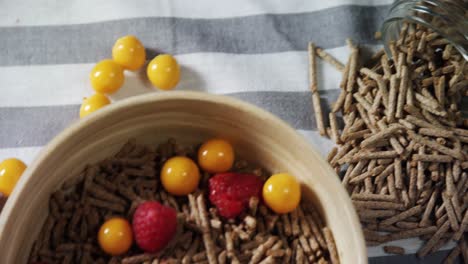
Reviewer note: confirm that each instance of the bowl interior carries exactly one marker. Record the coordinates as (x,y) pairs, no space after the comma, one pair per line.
(190,118)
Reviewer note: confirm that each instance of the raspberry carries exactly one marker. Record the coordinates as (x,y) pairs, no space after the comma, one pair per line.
(230,192)
(154,225)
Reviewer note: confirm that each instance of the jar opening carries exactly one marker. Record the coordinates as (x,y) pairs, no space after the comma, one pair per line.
(449,19)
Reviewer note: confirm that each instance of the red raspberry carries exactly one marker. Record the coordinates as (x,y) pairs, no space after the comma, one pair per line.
(230,192)
(154,225)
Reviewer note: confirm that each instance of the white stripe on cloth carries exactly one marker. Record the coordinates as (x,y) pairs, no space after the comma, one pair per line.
(26,154)
(211,72)
(52,12)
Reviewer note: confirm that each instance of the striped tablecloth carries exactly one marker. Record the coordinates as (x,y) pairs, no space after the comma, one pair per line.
(252,50)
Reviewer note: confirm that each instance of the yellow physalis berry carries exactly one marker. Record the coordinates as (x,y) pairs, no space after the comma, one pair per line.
(10,172)
(107,76)
(180,175)
(129,53)
(93,103)
(282,193)
(164,72)
(216,155)
(115,236)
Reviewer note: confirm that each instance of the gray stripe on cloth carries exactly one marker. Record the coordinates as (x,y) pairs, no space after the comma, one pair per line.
(269,33)
(35,126)
(435,258)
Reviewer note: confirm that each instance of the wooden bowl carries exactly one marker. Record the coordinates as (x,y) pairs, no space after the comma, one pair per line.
(189,117)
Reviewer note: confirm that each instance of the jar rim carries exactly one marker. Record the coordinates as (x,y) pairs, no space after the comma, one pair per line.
(400,12)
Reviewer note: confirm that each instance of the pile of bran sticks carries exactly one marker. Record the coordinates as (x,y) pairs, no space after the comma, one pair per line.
(403,149)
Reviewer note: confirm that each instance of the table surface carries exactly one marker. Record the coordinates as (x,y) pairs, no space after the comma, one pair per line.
(252,50)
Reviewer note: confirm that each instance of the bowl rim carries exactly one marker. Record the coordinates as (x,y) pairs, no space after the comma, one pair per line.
(78,125)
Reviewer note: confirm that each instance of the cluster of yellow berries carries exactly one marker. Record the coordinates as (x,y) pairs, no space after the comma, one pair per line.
(180,175)
(128,53)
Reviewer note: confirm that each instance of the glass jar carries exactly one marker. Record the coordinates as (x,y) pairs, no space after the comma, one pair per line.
(449,18)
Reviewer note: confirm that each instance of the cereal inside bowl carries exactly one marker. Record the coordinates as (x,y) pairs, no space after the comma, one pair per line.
(174,203)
